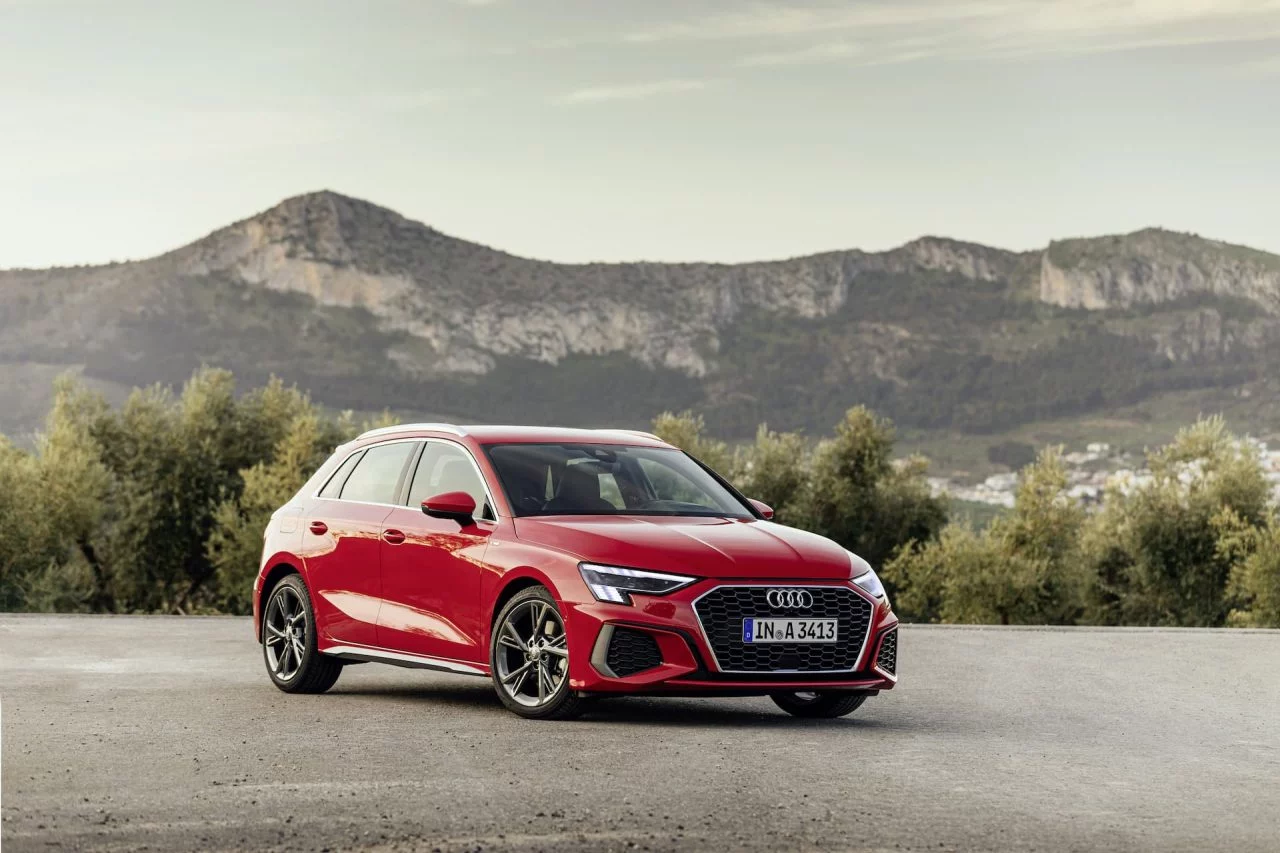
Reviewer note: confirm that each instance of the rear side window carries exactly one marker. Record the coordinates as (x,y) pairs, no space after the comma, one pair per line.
(339,477)
(376,478)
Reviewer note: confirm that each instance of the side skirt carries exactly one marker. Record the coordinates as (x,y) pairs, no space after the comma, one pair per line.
(362,654)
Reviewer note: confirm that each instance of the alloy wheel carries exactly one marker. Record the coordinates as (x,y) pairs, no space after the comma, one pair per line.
(532,655)
(285,631)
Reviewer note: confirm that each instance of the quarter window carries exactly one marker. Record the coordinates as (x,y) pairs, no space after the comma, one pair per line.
(334,486)
(377,475)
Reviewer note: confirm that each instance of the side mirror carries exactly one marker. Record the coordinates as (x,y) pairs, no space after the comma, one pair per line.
(762,507)
(459,506)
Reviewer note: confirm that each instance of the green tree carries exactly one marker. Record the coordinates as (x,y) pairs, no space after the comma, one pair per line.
(773,469)
(685,431)
(857,495)
(1155,549)
(74,500)
(1023,568)
(1253,590)
(173,460)
(24,533)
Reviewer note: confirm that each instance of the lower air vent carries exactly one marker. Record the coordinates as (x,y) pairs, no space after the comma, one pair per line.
(888,657)
(632,651)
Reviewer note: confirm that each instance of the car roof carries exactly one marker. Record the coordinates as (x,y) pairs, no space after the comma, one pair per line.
(494,434)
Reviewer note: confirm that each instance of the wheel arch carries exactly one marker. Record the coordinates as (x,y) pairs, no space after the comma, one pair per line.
(270,580)
(512,584)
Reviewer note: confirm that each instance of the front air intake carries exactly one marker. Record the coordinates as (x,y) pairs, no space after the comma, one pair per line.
(887,659)
(632,651)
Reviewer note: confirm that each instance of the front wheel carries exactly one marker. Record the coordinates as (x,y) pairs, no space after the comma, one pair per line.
(289,641)
(529,655)
(818,704)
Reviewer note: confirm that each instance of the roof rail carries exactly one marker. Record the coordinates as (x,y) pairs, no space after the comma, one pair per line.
(450,428)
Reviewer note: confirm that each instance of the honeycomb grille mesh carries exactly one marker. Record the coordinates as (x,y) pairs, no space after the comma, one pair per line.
(632,651)
(888,657)
(722,610)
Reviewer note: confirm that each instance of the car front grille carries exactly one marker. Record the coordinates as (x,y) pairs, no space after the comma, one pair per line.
(888,657)
(722,610)
(632,651)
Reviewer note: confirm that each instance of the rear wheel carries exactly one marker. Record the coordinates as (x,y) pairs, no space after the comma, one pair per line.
(289,641)
(529,655)
(818,704)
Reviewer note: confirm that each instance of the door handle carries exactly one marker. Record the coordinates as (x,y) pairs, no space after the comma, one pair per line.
(319,528)
(393,537)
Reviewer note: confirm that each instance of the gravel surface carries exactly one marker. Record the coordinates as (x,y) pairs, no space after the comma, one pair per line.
(164,733)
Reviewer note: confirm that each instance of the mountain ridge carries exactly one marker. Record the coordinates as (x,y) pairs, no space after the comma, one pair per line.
(372,309)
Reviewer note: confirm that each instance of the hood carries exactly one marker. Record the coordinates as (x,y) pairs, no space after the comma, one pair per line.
(703,547)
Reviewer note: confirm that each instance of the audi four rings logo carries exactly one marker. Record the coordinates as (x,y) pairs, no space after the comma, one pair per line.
(789,599)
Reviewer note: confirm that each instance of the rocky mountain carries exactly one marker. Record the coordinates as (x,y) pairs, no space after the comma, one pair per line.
(372,310)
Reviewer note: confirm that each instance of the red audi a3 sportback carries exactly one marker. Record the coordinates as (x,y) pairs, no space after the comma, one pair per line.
(566,565)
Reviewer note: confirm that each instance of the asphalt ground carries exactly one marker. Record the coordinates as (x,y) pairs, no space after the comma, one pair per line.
(163,733)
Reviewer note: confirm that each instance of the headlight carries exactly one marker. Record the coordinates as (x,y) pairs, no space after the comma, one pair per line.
(871,583)
(864,577)
(610,583)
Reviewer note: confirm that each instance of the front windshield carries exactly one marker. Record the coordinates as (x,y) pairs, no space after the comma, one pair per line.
(599,479)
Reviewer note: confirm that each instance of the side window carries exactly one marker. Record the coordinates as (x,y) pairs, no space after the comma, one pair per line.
(339,477)
(378,473)
(445,468)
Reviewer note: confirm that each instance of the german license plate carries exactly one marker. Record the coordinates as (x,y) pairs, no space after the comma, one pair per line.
(788,630)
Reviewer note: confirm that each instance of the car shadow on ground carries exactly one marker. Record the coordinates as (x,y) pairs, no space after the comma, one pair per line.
(648,710)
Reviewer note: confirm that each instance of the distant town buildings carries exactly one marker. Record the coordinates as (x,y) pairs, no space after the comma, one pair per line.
(1090,473)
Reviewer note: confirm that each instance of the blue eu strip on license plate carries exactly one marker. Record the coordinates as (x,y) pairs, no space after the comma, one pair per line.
(748,629)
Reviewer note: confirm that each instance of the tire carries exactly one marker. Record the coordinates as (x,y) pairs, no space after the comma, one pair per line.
(818,705)
(289,610)
(527,626)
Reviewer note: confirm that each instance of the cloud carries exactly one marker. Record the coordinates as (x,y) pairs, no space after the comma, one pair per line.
(399,102)
(630,91)
(814,53)
(971,28)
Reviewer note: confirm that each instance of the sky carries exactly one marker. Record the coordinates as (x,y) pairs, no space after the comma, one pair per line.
(579,130)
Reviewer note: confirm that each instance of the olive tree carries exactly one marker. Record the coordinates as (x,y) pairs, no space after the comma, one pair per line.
(1155,548)
(1023,568)
(858,495)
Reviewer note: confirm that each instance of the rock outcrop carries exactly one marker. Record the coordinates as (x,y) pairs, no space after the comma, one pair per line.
(1152,267)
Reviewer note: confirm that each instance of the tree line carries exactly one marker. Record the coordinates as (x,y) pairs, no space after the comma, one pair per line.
(159,507)
(1195,544)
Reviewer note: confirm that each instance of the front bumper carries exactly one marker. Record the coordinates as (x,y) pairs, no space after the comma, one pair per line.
(666,631)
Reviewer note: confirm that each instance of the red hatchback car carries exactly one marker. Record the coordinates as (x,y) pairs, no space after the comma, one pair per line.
(566,565)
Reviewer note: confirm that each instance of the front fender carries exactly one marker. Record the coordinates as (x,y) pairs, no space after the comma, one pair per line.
(523,565)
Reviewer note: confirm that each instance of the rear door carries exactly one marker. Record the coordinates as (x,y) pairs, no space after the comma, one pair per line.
(431,567)
(340,540)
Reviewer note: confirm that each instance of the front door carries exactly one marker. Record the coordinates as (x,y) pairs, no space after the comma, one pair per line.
(431,567)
